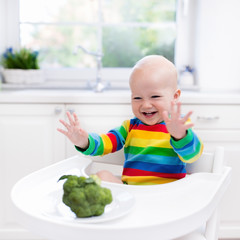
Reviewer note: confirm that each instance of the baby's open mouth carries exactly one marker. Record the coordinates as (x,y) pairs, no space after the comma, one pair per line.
(149,114)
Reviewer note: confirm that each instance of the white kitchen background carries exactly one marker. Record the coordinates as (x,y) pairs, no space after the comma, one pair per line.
(208,37)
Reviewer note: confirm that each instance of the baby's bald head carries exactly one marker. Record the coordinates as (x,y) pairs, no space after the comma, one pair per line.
(155,68)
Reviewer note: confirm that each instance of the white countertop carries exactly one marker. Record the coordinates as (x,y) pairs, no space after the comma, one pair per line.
(110,97)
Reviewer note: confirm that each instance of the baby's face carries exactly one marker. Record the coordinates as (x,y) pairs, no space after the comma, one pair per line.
(151,96)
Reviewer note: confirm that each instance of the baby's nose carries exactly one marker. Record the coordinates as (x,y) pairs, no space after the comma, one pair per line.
(147,104)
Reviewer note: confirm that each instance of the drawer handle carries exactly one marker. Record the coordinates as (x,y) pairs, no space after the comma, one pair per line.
(58,110)
(208,118)
(71,110)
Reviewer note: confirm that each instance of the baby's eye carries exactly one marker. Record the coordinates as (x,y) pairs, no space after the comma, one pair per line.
(155,96)
(137,98)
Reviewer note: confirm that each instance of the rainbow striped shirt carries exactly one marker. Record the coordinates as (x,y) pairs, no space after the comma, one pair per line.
(151,155)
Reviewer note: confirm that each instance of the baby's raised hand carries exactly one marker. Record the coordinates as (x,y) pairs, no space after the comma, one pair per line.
(176,125)
(74,132)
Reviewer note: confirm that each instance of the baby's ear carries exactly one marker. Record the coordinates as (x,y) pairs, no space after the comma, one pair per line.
(177,95)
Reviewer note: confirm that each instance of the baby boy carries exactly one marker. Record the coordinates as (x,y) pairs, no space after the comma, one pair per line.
(158,141)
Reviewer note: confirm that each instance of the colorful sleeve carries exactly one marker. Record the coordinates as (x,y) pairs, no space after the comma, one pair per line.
(102,144)
(189,149)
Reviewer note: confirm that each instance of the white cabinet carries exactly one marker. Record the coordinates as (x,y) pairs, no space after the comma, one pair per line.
(219,125)
(28,141)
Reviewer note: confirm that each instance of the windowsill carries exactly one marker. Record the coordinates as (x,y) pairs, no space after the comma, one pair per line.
(66,85)
(72,78)
(74,85)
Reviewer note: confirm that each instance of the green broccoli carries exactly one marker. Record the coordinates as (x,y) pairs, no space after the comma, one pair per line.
(85,196)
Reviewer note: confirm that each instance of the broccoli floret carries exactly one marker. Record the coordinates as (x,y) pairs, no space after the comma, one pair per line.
(85,196)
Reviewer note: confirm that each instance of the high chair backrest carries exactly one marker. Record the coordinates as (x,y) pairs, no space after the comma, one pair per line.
(208,162)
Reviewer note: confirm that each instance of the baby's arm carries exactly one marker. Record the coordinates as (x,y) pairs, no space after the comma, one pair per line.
(77,135)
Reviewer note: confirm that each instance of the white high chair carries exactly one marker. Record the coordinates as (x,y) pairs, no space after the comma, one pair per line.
(185,209)
(211,163)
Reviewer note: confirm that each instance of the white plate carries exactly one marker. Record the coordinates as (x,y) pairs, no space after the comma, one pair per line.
(53,207)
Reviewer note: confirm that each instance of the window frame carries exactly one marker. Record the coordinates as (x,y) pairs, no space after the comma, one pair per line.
(118,77)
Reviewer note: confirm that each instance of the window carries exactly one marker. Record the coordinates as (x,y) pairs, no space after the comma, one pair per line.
(123,30)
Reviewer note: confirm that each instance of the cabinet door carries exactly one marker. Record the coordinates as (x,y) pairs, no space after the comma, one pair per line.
(101,118)
(219,125)
(229,209)
(28,141)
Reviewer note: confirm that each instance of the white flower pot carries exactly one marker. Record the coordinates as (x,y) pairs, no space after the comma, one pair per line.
(20,76)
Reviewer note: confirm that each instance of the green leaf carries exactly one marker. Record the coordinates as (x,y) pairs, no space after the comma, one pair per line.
(64,177)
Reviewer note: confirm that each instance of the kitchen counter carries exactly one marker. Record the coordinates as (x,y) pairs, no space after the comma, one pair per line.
(110,96)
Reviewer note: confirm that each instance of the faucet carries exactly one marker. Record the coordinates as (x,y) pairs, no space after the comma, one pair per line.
(99,86)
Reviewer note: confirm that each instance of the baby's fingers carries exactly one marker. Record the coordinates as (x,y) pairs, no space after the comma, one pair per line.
(71,121)
(175,110)
(66,125)
(178,108)
(62,131)
(186,117)
(188,125)
(165,116)
(76,119)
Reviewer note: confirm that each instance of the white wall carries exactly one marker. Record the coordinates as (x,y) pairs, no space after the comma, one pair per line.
(9,32)
(217,49)
(2,25)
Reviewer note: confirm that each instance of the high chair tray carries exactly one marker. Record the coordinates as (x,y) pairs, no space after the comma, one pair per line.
(168,210)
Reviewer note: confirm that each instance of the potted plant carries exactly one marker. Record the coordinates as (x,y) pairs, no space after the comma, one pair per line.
(21,66)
